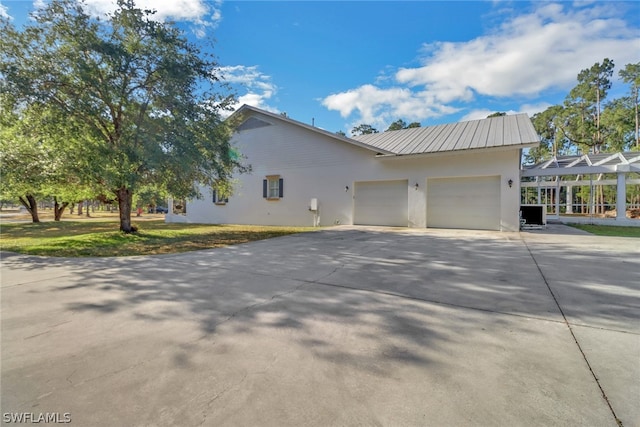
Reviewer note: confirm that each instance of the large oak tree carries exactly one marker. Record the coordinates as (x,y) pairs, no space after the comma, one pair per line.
(142,101)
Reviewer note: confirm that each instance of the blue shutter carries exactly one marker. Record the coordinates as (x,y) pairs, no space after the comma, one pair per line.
(264,188)
(281,188)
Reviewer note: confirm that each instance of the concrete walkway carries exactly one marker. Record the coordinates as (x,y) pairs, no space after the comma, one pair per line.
(345,326)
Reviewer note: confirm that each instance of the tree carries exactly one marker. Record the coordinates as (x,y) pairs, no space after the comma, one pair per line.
(23,167)
(397,125)
(401,124)
(584,104)
(618,120)
(548,125)
(496,114)
(631,75)
(141,99)
(32,167)
(150,196)
(363,129)
(585,121)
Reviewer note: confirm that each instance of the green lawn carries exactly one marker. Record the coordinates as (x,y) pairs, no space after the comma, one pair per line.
(609,230)
(102,238)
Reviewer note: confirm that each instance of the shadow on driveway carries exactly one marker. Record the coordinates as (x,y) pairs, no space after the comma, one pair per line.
(337,327)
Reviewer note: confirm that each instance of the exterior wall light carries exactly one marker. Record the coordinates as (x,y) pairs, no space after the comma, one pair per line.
(510,182)
(346,188)
(416,186)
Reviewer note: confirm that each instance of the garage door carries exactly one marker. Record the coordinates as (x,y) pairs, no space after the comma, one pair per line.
(381,203)
(472,203)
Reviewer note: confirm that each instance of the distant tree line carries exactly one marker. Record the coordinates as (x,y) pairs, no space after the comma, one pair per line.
(587,122)
(365,129)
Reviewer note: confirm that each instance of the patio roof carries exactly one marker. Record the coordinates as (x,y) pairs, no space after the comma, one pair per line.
(585,164)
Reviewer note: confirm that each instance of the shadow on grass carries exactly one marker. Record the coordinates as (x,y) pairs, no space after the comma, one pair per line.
(104,240)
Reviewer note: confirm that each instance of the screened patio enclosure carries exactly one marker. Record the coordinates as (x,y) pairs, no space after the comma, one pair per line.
(596,188)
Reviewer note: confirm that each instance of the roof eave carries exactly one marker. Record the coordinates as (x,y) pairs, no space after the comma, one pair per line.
(461,151)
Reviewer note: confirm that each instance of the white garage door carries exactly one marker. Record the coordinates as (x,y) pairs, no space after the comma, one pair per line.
(381,203)
(472,203)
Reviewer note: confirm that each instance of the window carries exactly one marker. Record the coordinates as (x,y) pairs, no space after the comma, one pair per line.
(273,187)
(218,198)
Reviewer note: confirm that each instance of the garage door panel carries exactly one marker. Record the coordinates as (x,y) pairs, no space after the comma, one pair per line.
(470,202)
(381,203)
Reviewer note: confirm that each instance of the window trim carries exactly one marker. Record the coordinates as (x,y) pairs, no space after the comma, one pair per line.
(267,187)
(216,200)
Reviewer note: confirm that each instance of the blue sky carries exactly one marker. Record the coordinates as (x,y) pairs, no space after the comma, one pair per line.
(351,62)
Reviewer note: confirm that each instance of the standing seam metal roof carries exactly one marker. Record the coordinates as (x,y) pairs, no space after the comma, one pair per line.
(502,131)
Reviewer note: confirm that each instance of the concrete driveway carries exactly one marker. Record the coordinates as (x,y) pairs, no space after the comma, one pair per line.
(345,326)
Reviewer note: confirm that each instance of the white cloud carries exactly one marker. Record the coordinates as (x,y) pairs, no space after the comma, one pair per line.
(4,11)
(204,14)
(379,107)
(532,109)
(522,58)
(258,87)
(526,55)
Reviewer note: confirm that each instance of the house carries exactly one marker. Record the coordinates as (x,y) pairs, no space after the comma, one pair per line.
(461,175)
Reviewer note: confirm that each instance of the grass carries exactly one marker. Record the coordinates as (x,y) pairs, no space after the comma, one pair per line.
(609,230)
(101,238)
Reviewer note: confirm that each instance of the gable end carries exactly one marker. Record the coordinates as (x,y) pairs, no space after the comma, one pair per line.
(252,123)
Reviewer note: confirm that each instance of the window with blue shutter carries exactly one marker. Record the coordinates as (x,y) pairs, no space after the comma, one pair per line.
(273,187)
(219,199)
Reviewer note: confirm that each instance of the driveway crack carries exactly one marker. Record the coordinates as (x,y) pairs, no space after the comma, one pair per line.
(258,304)
(575,339)
(219,395)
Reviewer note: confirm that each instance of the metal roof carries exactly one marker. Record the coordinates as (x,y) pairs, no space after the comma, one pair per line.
(585,164)
(495,132)
(514,131)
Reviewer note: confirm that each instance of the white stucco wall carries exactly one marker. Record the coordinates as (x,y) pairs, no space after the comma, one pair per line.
(317,166)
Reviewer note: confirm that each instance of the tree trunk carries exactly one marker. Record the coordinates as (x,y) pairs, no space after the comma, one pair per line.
(58,209)
(125,199)
(80,208)
(31,205)
(598,136)
(637,125)
(601,197)
(86,207)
